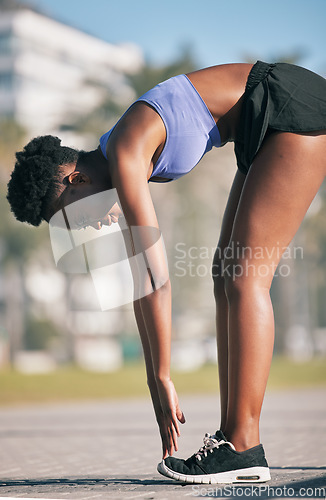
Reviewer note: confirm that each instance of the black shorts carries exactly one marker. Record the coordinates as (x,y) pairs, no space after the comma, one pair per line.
(280,97)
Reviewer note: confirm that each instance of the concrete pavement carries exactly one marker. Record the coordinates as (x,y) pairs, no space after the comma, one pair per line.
(109,450)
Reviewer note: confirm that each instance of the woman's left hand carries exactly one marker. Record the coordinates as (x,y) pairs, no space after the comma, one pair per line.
(169,416)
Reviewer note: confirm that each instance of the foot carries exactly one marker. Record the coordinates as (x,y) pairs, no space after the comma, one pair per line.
(218,462)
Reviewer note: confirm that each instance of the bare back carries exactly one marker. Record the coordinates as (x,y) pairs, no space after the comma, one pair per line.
(222,87)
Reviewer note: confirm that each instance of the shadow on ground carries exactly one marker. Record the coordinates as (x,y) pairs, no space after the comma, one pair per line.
(310,487)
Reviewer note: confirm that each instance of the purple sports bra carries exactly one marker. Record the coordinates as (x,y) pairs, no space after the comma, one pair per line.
(190,128)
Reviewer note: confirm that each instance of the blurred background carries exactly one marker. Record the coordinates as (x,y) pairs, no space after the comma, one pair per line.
(71,69)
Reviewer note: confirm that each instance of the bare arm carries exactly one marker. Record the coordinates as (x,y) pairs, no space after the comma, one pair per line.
(141,324)
(130,155)
(167,442)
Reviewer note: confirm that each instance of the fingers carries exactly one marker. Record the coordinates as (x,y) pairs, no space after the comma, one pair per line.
(174,438)
(173,430)
(170,441)
(175,425)
(165,453)
(167,443)
(170,432)
(169,419)
(180,415)
(169,438)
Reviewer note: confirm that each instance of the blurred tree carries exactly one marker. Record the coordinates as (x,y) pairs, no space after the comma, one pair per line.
(151,75)
(39,333)
(294,57)
(315,253)
(101,119)
(17,241)
(11,135)
(104,116)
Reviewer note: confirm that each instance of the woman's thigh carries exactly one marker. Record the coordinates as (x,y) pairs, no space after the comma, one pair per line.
(231,209)
(226,229)
(280,186)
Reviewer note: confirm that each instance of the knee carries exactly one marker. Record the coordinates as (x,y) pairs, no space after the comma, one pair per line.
(243,278)
(234,283)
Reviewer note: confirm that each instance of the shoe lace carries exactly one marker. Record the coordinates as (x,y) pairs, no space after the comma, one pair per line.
(210,442)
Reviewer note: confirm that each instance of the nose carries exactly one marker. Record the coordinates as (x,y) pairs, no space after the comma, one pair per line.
(97,225)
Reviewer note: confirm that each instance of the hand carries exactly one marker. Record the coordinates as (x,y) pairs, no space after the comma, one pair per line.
(168,416)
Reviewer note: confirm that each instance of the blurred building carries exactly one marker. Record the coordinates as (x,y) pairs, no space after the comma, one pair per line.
(50,71)
(51,75)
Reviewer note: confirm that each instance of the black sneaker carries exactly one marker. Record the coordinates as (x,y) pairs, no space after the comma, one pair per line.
(218,462)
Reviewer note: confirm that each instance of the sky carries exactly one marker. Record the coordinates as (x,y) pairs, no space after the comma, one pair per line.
(217,31)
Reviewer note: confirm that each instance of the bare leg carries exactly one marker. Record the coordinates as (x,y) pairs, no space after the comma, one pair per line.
(222,309)
(279,188)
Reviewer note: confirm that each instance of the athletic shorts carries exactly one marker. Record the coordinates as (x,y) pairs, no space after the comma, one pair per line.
(281,97)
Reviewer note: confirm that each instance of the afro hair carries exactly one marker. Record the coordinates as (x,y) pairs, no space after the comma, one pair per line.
(36,177)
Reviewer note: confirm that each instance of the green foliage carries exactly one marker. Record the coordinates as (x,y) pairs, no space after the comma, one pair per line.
(150,75)
(314,226)
(101,119)
(39,333)
(18,240)
(315,254)
(71,383)
(104,116)
(12,136)
(294,57)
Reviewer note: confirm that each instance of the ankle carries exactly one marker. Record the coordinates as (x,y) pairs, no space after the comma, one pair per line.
(242,441)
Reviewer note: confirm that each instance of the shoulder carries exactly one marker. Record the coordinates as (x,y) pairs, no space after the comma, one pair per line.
(136,137)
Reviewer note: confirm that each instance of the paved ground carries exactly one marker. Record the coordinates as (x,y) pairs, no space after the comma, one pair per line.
(109,450)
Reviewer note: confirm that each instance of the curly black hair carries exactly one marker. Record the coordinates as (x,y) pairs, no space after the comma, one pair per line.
(37,176)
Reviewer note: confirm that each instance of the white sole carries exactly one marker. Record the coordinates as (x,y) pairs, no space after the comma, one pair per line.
(249,475)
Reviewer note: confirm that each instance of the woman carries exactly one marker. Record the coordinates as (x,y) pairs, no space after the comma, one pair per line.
(276,116)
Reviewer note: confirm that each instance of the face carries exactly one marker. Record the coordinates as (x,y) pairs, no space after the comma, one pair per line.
(84,203)
(94,217)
